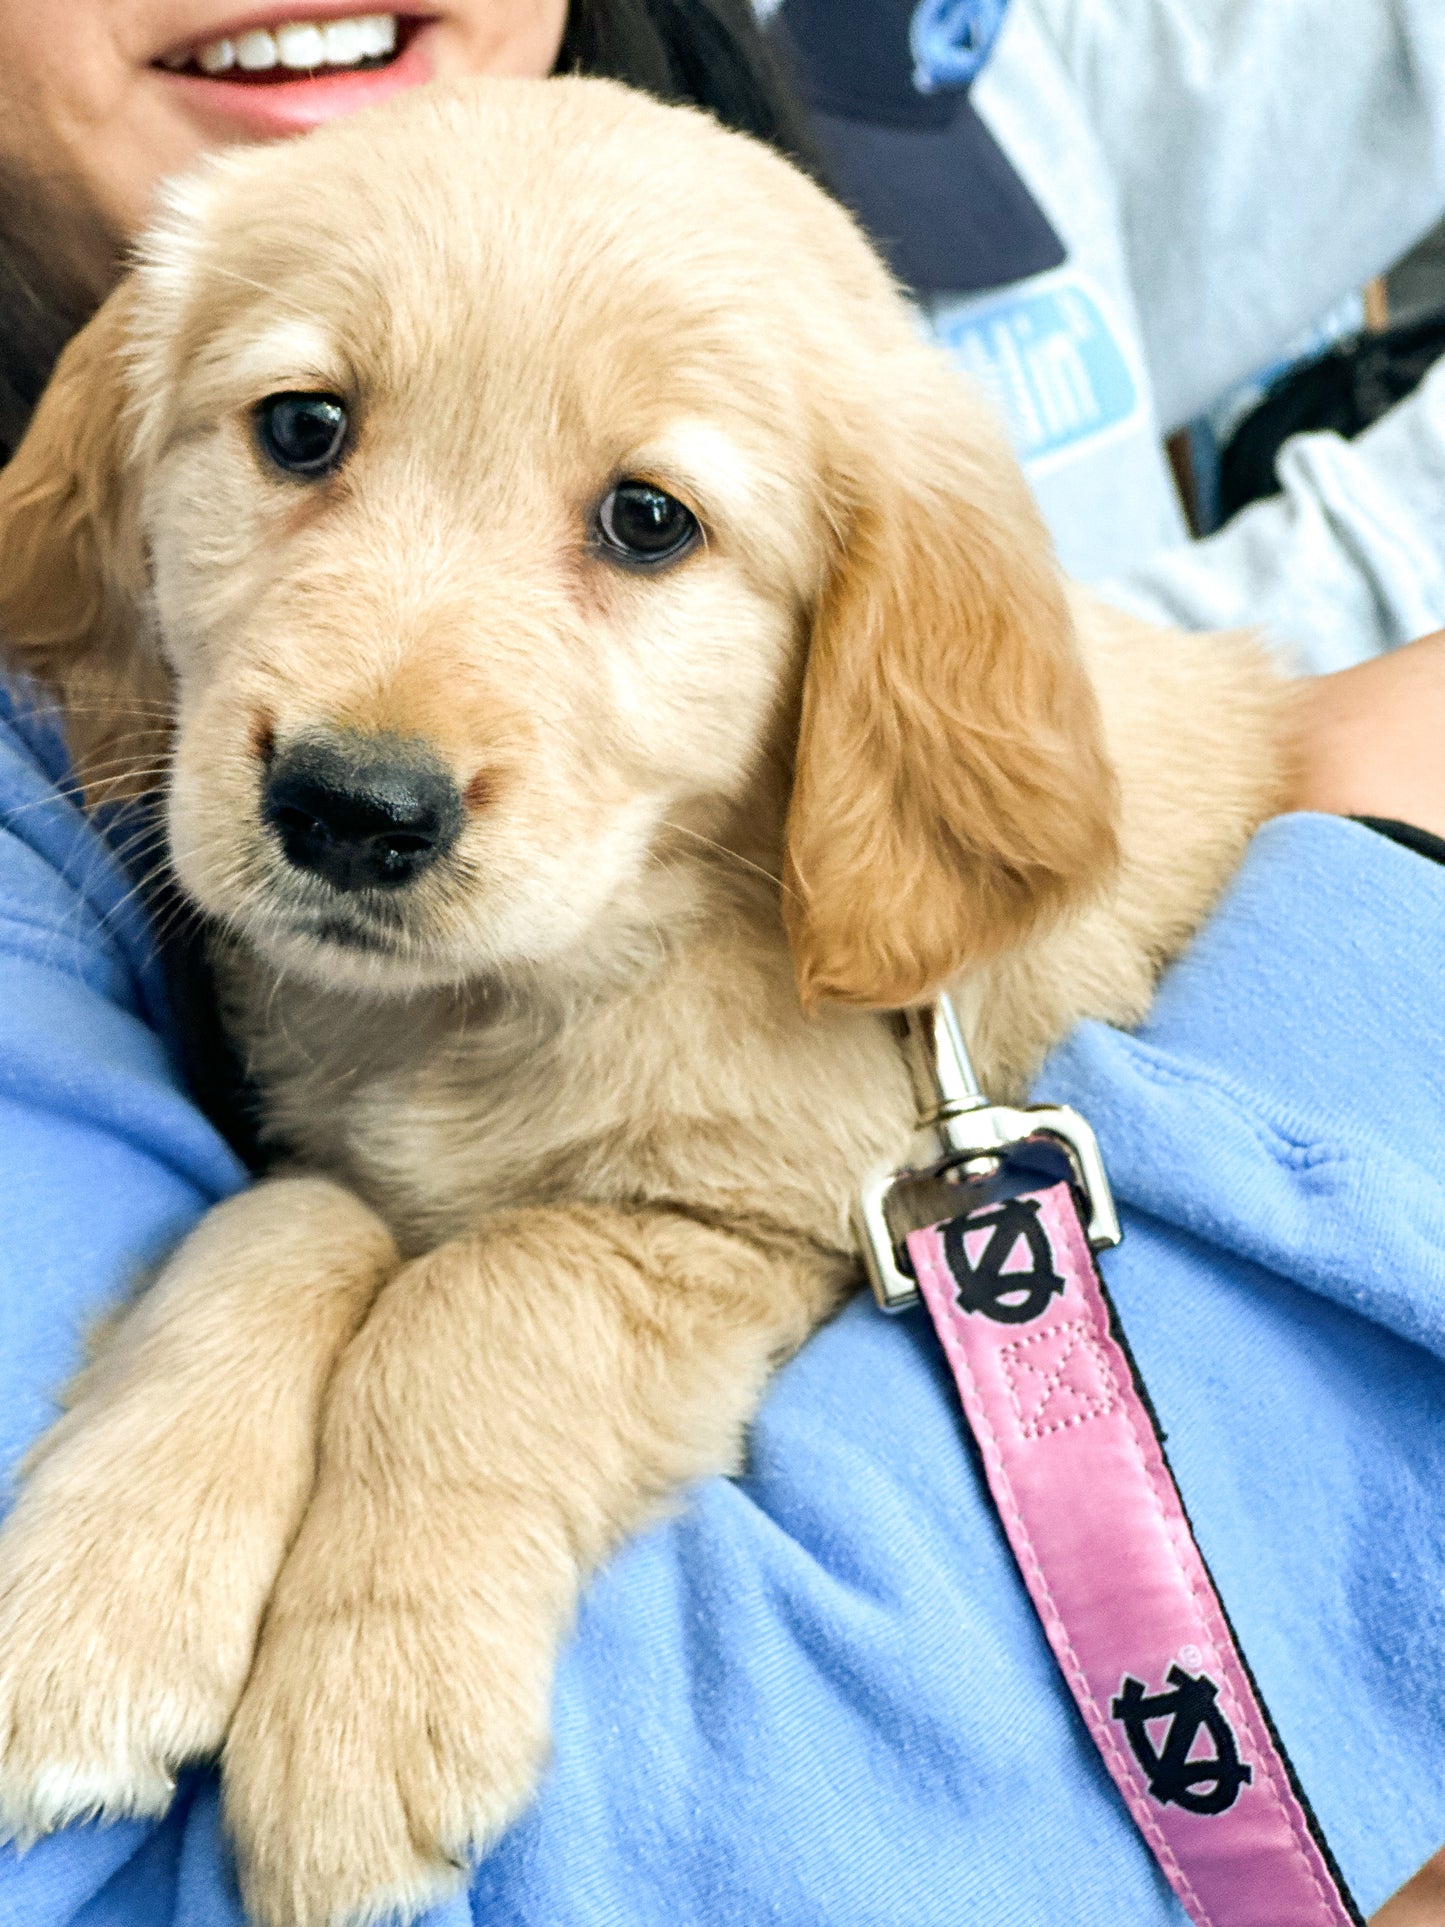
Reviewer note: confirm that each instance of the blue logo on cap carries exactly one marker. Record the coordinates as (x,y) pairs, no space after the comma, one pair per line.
(951,39)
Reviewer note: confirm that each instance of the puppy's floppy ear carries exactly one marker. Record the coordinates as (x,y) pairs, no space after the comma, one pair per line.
(951,788)
(72,563)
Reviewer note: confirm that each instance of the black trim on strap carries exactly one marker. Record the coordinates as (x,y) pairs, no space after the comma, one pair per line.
(1423,842)
(1317,1832)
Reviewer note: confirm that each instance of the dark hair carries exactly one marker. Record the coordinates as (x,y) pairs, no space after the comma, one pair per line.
(706,53)
(55,264)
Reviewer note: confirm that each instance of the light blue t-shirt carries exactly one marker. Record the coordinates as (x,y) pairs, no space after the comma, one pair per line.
(819,1696)
(1221,175)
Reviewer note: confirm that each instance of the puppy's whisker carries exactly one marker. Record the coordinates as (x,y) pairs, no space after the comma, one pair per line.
(125,764)
(56,799)
(102,704)
(138,892)
(274,301)
(37,698)
(734,856)
(146,863)
(170,925)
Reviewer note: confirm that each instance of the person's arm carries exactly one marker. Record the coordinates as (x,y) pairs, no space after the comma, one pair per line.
(1347,561)
(1371,741)
(820,1694)
(105,1163)
(106,1160)
(1268,156)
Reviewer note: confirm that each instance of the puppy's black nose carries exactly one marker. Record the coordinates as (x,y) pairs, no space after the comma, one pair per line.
(363,812)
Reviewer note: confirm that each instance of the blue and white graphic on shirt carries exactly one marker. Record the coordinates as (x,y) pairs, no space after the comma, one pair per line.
(1054,360)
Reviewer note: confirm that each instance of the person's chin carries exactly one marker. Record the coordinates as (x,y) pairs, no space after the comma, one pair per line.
(240,106)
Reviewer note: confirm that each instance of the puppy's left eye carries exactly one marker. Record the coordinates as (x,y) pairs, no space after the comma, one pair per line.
(644,525)
(304,434)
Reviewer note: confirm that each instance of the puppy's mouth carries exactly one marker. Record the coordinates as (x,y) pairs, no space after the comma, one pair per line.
(365,939)
(351,933)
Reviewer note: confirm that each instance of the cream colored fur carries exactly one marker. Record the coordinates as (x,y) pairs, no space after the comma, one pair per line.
(575,1166)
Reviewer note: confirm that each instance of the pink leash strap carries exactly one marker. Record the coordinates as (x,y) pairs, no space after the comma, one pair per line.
(1077,1469)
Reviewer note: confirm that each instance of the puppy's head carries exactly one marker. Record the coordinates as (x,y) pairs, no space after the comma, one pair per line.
(487,476)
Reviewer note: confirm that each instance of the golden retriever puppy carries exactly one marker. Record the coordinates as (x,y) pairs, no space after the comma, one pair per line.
(608,661)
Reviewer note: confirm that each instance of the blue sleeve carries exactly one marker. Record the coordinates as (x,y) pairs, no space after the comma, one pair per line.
(819,1694)
(105,1162)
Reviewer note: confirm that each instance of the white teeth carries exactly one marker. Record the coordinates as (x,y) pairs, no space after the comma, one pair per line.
(344,42)
(255,51)
(378,35)
(302,46)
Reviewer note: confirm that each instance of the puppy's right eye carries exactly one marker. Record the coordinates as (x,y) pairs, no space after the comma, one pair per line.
(645,526)
(301,433)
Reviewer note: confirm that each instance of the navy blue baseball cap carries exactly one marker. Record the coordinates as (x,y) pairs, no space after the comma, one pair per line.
(887,84)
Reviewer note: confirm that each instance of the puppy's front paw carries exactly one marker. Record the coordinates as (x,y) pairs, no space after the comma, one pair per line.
(379,1748)
(123,1649)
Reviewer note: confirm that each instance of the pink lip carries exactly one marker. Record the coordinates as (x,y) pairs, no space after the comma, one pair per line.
(268,109)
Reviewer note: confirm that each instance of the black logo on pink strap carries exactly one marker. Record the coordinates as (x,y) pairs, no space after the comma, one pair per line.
(1200,1785)
(1010,1277)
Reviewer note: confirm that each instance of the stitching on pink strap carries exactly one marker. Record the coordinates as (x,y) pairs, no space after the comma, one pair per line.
(1061,1223)
(1082,1339)
(1171,1514)
(1101,1728)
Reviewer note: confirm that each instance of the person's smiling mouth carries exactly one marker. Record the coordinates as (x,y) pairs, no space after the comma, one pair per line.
(282,72)
(296,47)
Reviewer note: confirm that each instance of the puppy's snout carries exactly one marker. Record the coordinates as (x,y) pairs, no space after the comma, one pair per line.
(362,812)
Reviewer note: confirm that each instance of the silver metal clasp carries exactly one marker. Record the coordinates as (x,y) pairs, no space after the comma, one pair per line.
(964,1140)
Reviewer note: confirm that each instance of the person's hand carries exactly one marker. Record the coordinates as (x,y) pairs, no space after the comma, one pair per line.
(1421,1903)
(1371,740)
